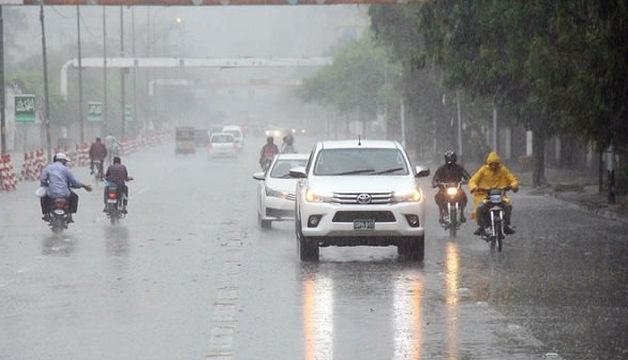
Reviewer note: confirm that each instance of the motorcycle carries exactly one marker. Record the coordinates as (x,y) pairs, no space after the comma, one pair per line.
(451,221)
(115,208)
(496,207)
(99,173)
(59,214)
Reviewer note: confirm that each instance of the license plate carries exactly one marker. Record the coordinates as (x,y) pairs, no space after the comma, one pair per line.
(112,201)
(363,225)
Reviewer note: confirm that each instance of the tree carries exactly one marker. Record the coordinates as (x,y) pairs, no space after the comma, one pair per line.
(358,81)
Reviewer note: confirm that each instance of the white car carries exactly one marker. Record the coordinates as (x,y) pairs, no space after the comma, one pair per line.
(360,193)
(237,133)
(276,189)
(222,145)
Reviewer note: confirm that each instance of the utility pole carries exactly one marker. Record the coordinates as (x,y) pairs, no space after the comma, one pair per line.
(122,70)
(3,131)
(81,113)
(495,144)
(402,111)
(460,155)
(46,102)
(104,66)
(134,67)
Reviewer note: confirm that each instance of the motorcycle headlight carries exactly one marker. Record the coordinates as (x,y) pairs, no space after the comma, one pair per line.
(452,191)
(276,193)
(318,196)
(411,196)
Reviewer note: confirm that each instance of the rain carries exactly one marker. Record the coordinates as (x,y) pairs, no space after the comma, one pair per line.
(301,179)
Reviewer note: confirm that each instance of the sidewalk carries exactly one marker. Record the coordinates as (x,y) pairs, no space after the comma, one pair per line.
(580,188)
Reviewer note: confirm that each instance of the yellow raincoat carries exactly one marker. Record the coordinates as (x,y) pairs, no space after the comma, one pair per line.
(486,178)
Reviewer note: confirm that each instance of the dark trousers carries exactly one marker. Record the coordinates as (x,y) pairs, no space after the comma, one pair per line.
(441,201)
(484,218)
(100,166)
(46,202)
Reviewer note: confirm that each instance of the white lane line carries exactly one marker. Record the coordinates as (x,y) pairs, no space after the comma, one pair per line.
(224,320)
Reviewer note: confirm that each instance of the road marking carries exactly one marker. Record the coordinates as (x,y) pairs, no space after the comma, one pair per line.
(224,319)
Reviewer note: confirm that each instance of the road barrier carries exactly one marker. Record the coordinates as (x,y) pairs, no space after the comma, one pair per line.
(35,161)
(8,178)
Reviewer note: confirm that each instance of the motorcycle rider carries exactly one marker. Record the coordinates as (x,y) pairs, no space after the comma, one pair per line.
(97,151)
(269,150)
(288,145)
(450,172)
(118,175)
(490,176)
(58,179)
(113,147)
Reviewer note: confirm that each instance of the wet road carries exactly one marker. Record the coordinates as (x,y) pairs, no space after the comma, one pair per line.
(189,275)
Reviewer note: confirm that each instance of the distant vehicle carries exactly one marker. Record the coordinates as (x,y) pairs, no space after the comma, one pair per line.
(184,140)
(277,134)
(276,189)
(359,193)
(222,145)
(201,137)
(237,133)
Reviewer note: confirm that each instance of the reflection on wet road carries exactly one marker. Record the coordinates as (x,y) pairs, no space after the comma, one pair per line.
(451,299)
(318,317)
(190,275)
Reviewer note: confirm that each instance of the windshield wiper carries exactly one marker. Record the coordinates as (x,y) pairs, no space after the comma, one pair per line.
(387,171)
(353,172)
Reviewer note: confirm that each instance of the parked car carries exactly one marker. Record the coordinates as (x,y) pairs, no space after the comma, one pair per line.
(237,133)
(276,189)
(222,145)
(359,193)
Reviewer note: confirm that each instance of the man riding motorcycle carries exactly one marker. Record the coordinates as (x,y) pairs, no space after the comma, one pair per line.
(97,152)
(58,179)
(450,172)
(269,150)
(492,175)
(288,145)
(118,175)
(113,147)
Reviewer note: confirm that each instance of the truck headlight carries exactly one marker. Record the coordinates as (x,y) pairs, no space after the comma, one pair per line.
(318,196)
(414,195)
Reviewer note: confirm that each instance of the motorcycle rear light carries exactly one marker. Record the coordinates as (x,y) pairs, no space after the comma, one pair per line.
(112,195)
(413,220)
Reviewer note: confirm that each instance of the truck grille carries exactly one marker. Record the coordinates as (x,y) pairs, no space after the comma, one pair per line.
(352,198)
(291,197)
(377,216)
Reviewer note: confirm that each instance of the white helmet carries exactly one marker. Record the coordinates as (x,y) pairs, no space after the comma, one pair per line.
(60,157)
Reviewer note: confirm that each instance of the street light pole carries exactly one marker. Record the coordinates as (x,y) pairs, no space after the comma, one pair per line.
(46,102)
(122,70)
(80,76)
(134,67)
(104,67)
(3,136)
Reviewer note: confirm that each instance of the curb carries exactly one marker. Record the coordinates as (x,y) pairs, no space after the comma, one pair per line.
(593,208)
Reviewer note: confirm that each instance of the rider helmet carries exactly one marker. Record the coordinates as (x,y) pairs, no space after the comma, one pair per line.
(450,157)
(270,140)
(61,157)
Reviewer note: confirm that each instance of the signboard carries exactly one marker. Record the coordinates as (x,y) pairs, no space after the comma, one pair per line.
(128,113)
(94,111)
(24,108)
